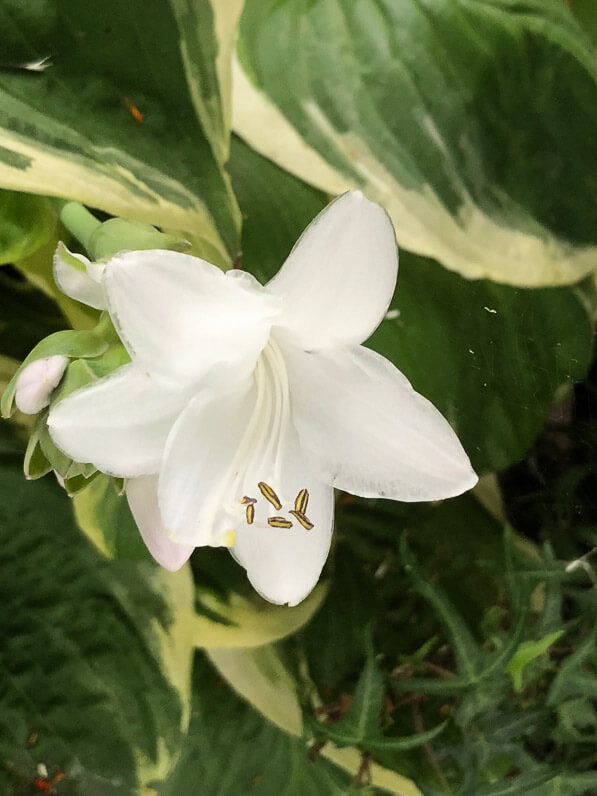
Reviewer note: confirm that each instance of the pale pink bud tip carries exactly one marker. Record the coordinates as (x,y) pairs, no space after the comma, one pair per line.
(37,382)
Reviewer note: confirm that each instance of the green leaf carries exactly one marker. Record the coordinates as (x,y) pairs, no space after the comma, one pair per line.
(110,122)
(528,651)
(243,623)
(457,540)
(577,674)
(586,13)
(105,518)
(259,675)
(523,783)
(465,647)
(35,463)
(360,726)
(415,103)
(333,640)
(392,743)
(490,357)
(577,722)
(568,784)
(232,749)
(26,223)
(261,678)
(93,656)
(362,720)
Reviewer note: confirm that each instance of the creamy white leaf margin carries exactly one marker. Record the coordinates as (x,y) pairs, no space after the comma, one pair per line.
(175,654)
(226,18)
(473,244)
(109,181)
(214,112)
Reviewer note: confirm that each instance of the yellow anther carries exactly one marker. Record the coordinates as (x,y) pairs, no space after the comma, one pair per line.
(269,494)
(304,521)
(250,513)
(279,522)
(302,501)
(247,500)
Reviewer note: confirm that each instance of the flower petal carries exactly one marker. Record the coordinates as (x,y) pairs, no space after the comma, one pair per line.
(338,281)
(179,316)
(142,495)
(214,487)
(119,424)
(365,430)
(284,564)
(196,469)
(79,278)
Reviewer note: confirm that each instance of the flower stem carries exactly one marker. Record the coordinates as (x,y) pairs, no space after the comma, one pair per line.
(79,221)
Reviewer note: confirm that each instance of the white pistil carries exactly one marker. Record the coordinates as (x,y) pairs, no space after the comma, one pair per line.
(261,446)
(268,439)
(278,368)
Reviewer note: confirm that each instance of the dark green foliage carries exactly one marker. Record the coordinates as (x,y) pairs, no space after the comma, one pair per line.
(82,690)
(231,749)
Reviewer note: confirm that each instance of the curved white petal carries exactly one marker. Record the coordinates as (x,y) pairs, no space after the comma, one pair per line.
(179,316)
(37,381)
(196,473)
(79,278)
(338,281)
(232,474)
(142,496)
(119,424)
(366,431)
(284,564)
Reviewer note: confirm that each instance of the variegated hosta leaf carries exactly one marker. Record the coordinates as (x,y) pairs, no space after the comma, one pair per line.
(94,657)
(490,357)
(207,31)
(471,122)
(109,121)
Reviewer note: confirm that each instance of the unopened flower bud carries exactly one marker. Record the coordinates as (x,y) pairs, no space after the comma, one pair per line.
(37,382)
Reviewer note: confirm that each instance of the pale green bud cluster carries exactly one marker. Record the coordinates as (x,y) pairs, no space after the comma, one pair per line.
(65,361)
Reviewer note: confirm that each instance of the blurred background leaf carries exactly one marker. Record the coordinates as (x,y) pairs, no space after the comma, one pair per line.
(26,223)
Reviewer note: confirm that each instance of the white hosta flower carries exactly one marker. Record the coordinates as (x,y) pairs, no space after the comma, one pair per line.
(245,405)
(37,382)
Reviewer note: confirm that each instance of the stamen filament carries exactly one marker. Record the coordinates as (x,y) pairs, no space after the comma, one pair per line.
(261,446)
